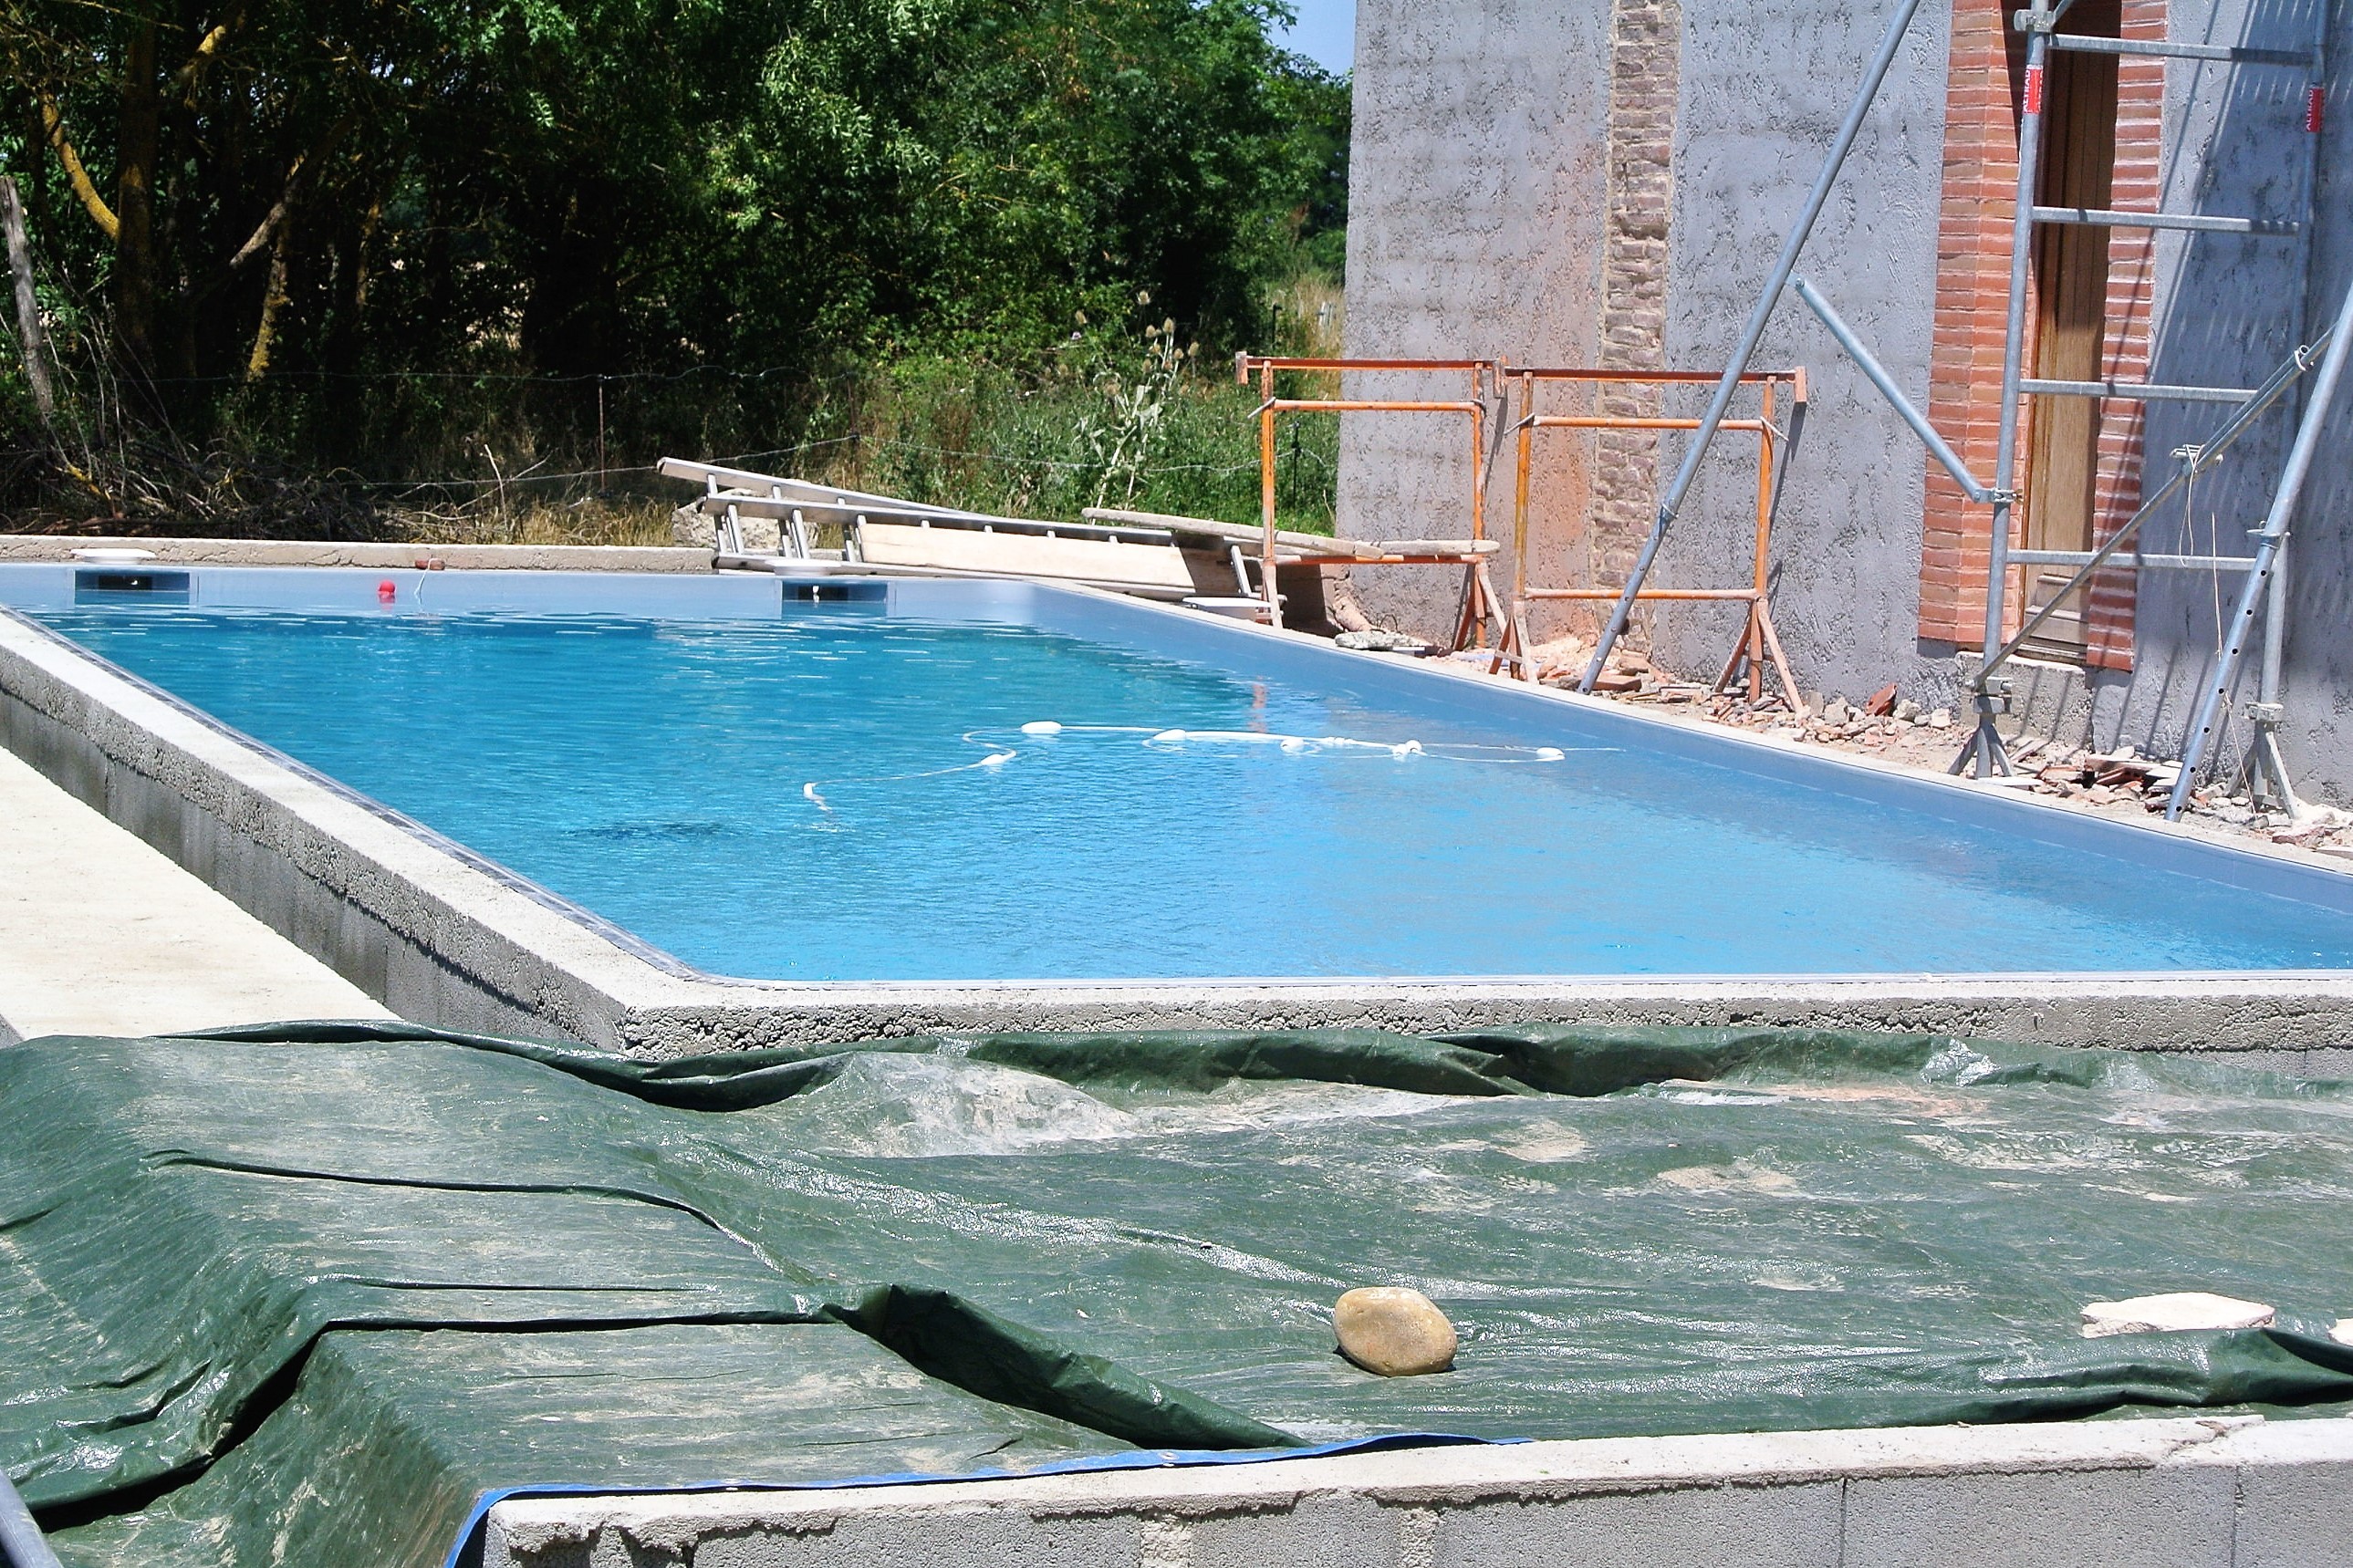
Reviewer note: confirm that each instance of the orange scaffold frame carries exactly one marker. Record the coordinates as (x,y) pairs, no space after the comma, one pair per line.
(1758,643)
(1479,602)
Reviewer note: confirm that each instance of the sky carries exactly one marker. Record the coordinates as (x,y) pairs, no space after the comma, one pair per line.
(1327,32)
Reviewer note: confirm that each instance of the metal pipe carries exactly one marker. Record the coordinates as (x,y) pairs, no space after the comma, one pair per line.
(1364,405)
(21,1545)
(1659,377)
(1878,377)
(1753,635)
(2141,391)
(1985,748)
(2085,44)
(2133,562)
(1890,41)
(2267,677)
(2268,541)
(1248,363)
(1746,596)
(1472,583)
(1520,501)
(2191,223)
(1631,422)
(1266,495)
(1525,667)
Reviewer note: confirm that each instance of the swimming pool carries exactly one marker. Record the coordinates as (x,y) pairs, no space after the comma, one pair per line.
(994,783)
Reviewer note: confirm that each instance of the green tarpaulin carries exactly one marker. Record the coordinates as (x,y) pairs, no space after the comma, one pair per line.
(303,1294)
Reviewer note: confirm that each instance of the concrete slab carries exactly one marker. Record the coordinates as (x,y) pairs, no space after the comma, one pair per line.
(2232,1491)
(101,934)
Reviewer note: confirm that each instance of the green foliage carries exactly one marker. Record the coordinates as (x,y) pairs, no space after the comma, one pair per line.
(1140,424)
(383,235)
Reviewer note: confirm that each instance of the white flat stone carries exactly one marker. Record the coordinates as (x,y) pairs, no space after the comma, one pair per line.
(101,934)
(2342,1332)
(2174,1313)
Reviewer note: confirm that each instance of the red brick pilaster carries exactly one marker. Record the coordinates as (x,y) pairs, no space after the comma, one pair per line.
(1972,291)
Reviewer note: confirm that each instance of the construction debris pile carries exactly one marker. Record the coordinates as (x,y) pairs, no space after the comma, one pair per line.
(1892,727)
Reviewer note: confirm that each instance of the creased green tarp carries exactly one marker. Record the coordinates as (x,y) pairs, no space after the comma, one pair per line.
(301,1293)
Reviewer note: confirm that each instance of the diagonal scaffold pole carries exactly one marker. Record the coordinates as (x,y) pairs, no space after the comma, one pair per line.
(2269,541)
(21,1543)
(2194,461)
(1890,42)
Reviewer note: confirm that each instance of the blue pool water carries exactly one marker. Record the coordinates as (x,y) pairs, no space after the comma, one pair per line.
(843,796)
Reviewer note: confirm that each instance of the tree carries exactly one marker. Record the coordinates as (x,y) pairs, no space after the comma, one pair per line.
(332,196)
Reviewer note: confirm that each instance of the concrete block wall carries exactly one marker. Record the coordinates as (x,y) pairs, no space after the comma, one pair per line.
(2220,1492)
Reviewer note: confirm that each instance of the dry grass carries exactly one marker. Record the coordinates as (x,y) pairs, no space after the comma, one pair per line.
(1313,317)
(619,519)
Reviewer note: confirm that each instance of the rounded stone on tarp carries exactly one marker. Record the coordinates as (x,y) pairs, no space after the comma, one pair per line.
(2176,1312)
(1395,1331)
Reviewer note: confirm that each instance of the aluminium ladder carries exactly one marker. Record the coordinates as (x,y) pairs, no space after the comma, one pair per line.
(2266,566)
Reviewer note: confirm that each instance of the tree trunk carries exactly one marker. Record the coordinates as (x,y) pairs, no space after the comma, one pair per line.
(273,300)
(28,309)
(134,203)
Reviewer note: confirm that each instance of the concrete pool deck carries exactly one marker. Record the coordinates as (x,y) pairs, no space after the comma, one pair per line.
(2216,1492)
(101,934)
(60,547)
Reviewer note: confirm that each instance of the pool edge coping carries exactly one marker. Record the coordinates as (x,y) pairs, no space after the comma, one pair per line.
(2232,1479)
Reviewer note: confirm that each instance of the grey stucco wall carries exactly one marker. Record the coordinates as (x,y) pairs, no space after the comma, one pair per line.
(1457,129)
(1764,90)
(1476,194)
(1477,199)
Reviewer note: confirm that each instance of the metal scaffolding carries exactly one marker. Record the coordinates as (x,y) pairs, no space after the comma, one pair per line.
(1759,645)
(2263,595)
(1480,603)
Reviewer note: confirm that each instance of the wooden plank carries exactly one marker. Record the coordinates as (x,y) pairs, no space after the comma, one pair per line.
(1232,533)
(917,517)
(1144,566)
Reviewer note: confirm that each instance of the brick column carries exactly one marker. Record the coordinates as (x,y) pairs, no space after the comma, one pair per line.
(1972,292)
(1644,77)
